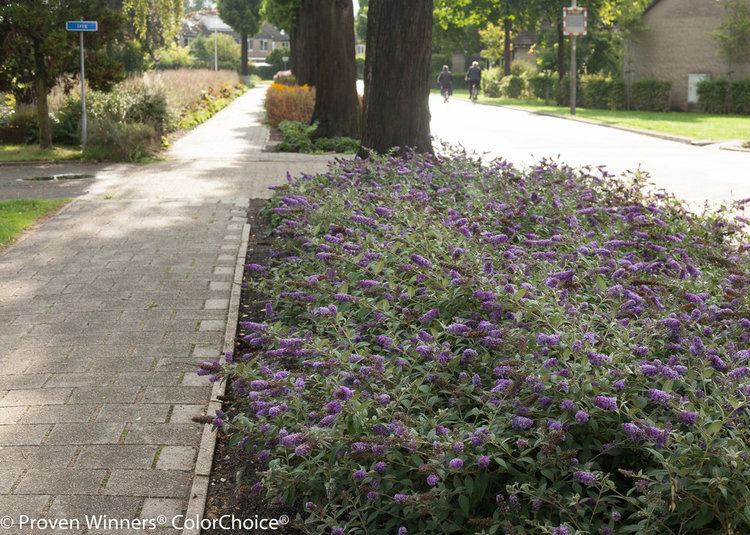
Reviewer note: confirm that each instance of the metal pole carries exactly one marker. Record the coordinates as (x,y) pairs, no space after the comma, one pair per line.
(216,51)
(573,70)
(573,76)
(84,118)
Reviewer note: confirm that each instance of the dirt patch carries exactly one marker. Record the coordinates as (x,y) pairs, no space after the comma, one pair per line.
(234,470)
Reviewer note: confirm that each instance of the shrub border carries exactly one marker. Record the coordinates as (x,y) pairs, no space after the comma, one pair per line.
(204,461)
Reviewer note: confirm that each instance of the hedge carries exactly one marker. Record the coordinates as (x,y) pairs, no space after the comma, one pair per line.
(712,96)
(650,95)
(601,92)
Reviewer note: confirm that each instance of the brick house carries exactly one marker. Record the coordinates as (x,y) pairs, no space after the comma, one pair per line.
(208,22)
(677,45)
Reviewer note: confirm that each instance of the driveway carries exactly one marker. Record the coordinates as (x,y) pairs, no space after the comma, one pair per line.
(694,174)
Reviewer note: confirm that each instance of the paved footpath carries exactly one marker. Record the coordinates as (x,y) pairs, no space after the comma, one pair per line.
(105,311)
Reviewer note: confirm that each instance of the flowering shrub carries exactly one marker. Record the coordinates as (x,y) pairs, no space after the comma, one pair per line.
(457,348)
(289,103)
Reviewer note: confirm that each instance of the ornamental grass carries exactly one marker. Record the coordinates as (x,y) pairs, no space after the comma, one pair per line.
(452,346)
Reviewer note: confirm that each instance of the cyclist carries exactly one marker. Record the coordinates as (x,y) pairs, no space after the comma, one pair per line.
(445,80)
(474,77)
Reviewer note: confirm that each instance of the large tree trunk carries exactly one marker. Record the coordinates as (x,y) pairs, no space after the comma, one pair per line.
(40,94)
(507,53)
(306,61)
(560,51)
(244,72)
(336,101)
(397,76)
(293,50)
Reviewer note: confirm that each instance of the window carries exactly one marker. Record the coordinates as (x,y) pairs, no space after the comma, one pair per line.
(285,44)
(264,44)
(250,44)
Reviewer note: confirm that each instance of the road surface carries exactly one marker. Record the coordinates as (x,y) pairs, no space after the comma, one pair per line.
(694,174)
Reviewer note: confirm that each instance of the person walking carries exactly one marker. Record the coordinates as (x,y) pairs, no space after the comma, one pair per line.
(445,81)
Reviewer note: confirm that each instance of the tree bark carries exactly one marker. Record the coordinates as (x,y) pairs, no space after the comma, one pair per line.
(336,101)
(397,77)
(243,55)
(560,51)
(40,90)
(507,53)
(306,61)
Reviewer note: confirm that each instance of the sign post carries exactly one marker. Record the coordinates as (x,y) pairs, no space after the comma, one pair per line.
(82,26)
(575,24)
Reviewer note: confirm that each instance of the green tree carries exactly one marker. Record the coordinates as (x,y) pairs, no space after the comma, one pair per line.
(244,17)
(733,34)
(227,51)
(37,51)
(155,23)
(360,23)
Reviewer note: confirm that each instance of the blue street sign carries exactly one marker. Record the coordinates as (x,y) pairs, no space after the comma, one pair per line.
(82,25)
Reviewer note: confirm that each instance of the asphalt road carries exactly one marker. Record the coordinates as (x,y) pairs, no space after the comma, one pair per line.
(694,174)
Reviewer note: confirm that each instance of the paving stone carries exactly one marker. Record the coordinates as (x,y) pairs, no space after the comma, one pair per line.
(79,507)
(219,286)
(48,396)
(178,394)
(10,415)
(185,413)
(61,481)
(129,364)
(176,434)
(105,394)
(133,413)
(176,458)
(148,483)
(223,270)
(8,477)
(54,414)
(216,304)
(22,381)
(15,506)
(61,380)
(213,325)
(153,378)
(109,456)
(21,435)
(169,507)
(193,379)
(36,456)
(89,433)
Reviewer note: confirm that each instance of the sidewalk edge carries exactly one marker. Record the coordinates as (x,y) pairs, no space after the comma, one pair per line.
(204,462)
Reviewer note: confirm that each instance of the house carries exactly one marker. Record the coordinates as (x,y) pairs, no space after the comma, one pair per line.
(208,22)
(523,44)
(677,45)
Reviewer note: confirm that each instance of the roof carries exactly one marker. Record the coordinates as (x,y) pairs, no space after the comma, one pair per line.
(524,38)
(269,31)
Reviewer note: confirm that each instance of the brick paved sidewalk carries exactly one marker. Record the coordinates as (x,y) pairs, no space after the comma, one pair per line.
(104,313)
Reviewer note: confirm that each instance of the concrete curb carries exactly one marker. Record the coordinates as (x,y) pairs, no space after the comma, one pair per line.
(199,491)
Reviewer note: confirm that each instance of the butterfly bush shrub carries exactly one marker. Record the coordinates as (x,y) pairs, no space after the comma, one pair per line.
(458,347)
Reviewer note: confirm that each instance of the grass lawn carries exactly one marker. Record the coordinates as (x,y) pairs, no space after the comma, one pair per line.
(18,215)
(692,125)
(29,153)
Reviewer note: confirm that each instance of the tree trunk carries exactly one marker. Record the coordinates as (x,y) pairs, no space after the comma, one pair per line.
(40,90)
(507,54)
(397,76)
(560,51)
(244,72)
(336,101)
(306,68)
(293,50)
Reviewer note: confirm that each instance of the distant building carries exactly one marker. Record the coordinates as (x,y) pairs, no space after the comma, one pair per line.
(677,45)
(208,22)
(523,44)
